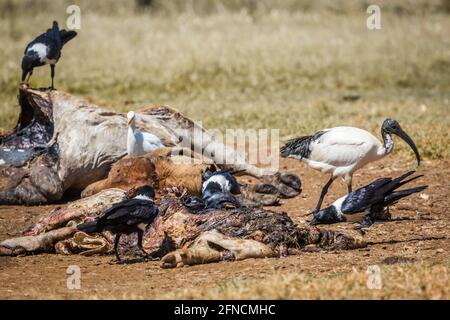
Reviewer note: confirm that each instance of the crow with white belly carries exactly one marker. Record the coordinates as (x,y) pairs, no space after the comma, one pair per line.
(45,49)
(370,200)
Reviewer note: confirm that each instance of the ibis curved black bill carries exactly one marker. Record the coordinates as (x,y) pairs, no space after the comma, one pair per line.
(402,134)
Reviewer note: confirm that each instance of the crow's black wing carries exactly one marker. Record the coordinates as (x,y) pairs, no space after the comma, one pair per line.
(373,193)
(132,213)
(364,197)
(146,213)
(123,208)
(234,185)
(66,36)
(52,39)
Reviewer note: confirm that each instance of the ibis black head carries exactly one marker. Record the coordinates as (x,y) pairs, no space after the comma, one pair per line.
(145,191)
(393,127)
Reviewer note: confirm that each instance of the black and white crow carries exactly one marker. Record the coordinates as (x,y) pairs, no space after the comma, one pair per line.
(219,181)
(217,193)
(45,49)
(126,217)
(370,200)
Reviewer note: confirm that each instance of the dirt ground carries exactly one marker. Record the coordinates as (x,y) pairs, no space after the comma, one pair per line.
(418,233)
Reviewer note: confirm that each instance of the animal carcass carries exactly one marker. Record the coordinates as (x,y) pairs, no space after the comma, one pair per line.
(64,142)
(179,237)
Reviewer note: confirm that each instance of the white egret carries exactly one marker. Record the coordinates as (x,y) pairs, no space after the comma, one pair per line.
(140,143)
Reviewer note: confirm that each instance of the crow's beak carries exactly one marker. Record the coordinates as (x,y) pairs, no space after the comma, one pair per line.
(24,76)
(402,134)
(314,222)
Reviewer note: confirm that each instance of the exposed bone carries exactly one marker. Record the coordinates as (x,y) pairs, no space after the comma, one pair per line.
(212,246)
(80,142)
(43,242)
(84,244)
(79,210)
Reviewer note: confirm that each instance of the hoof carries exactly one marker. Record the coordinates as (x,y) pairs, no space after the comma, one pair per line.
(291,180)
(266,188)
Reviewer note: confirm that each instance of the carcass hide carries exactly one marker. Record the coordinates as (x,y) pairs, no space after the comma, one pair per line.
(63,142)
(179,237)
(163,168)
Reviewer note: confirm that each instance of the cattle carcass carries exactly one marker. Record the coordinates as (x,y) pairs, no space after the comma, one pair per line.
(165,167)
(64,142)
(179,237)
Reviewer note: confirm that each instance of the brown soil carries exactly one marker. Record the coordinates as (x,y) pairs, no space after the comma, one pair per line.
(418,232)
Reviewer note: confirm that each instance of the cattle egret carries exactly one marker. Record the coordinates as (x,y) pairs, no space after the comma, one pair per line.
(370,200)
(45,49)
(140,143)
(126,217)
(343,150)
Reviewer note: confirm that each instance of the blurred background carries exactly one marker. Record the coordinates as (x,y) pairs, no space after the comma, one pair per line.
(294,65)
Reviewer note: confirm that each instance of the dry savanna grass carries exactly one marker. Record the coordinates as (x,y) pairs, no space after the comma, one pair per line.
(403,281)
(287,66)
(408,281)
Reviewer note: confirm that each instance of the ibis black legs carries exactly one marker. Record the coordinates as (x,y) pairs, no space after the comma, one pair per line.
(52,73)
(323,193)
(348,179)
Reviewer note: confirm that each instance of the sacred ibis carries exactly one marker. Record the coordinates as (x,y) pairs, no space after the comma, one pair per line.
(343,150)
(45,49)
(126,217)
(370,200)
(140,143)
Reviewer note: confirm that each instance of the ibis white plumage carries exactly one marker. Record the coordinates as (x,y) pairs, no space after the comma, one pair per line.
(140,143)
(341,151)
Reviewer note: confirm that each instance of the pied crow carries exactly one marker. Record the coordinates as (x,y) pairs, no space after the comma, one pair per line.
(370,200)
(126,217)
(219,181)
(45,49)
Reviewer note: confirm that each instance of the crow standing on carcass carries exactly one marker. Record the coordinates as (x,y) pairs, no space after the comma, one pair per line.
(45,49)
(126,217)
(370,200)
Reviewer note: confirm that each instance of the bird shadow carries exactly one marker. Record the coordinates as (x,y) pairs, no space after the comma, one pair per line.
(134,260)
(371,243)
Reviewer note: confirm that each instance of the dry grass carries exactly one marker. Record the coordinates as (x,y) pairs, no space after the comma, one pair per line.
(416,281)
(403,281)
(253,68)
